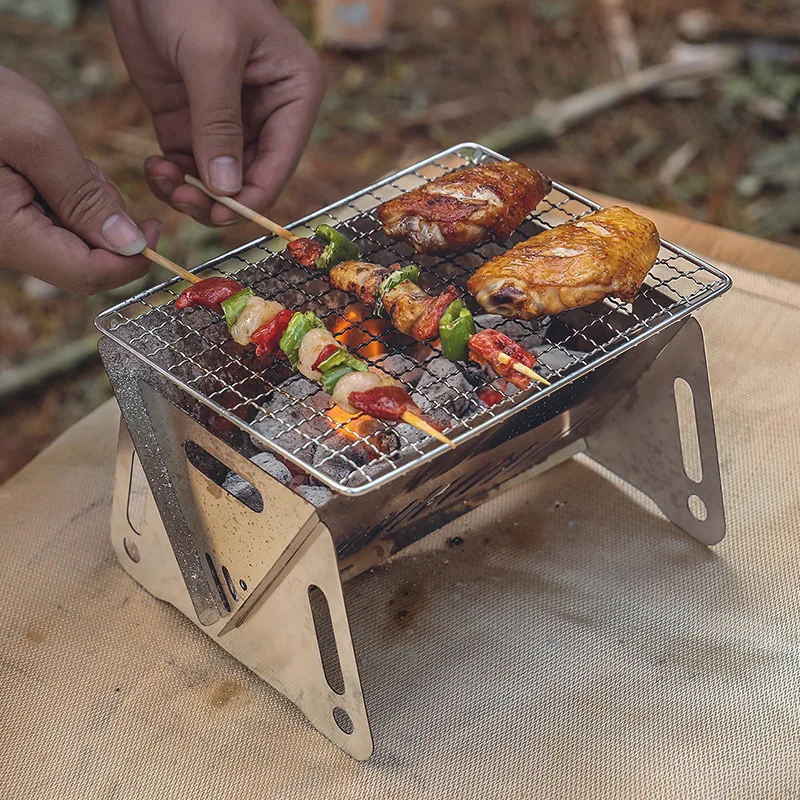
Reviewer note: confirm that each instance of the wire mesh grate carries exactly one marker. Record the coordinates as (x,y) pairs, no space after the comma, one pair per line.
(291,416)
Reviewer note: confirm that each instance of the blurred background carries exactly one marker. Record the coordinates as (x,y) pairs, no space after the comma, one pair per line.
(684,105)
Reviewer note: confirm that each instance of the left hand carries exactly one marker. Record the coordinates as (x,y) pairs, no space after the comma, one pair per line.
(233,89)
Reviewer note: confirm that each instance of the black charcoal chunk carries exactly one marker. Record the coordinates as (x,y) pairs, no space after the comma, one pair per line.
(273,466)
(243,490)
(316,494)
(402,368)
(443,386)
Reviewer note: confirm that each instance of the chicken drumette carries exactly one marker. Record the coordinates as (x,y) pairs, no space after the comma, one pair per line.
(465,207)
(607,253)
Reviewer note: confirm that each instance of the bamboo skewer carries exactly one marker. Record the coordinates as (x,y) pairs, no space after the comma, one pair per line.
(407,416)
(170,266)
(247,213)
(421,425)
(504,358)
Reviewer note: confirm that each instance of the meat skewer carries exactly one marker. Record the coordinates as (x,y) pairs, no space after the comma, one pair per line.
(411,309)
(414,312)
(466,207)
(269,325)
(607,253)
(306,252)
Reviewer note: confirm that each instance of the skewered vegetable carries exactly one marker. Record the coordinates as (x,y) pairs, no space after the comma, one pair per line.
(311,348)
(337,248)
(455,329)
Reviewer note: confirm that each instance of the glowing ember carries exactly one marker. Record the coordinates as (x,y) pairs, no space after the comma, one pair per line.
(360,334)
(361,428)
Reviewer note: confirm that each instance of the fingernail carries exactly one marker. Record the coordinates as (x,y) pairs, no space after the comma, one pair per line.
(164,185)
(224,174)
(157,232)
(188,208)
(121,234)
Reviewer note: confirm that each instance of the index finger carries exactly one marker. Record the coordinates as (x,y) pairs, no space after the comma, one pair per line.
(280,145)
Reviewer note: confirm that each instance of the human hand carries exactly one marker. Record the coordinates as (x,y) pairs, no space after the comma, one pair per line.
(83,240)
(233,89)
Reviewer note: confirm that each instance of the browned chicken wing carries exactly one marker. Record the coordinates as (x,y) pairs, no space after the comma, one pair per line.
(465,207)
(607,253)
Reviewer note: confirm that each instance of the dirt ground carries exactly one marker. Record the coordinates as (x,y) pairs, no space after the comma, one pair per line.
(451,71)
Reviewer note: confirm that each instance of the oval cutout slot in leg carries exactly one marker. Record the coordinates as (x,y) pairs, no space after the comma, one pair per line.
(232,482)
(687,429)
(326,639)
(342,719)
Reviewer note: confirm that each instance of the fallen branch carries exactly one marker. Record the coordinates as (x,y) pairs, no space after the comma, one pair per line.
(550,119)
(621,35)
(47,366)
(702,25)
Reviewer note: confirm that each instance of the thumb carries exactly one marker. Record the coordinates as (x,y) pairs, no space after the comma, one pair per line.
(76,195)
(213,77)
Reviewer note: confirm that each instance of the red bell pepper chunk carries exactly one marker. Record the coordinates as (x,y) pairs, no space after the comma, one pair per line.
(324,354)
(267,337)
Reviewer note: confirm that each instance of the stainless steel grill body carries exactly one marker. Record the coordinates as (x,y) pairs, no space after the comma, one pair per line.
(180,379)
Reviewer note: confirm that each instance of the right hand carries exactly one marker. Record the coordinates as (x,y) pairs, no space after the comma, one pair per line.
(83,240)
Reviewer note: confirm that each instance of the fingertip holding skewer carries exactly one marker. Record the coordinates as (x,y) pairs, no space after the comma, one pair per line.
(522,369)
(170,266)
(421,425)
(243,210)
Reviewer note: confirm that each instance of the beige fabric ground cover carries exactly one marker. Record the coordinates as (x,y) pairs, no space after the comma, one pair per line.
(575,644)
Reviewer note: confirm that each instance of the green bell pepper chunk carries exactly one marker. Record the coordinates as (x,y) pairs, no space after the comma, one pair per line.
(409,273)
(338,248)
(234,305)
(455,328)
(342,358)
(299,325)
(331,377)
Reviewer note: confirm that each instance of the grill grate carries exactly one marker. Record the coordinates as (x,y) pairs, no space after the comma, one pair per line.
(289,415)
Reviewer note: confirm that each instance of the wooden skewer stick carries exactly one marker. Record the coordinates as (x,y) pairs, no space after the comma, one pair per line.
(407,416)
(243,210)
(504,358)
(421,425)
(170,266)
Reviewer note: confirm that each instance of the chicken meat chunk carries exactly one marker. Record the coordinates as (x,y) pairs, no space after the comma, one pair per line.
(604,254)
(465,207)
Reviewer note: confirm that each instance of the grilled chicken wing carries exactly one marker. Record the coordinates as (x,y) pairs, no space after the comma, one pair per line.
(465,207)
(606,253)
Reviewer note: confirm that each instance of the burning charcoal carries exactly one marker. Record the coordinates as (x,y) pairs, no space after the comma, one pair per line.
(289,421)
(408,433)
(476,374)
(272,466)
(443,386)
(316,494)
(402,368)
(336,467)
(555,359)
(243,490)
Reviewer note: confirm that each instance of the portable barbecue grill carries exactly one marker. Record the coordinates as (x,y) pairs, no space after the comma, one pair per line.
(244,500)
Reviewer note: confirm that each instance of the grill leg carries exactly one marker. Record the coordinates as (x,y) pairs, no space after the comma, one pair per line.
(292,638)
(643,442)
